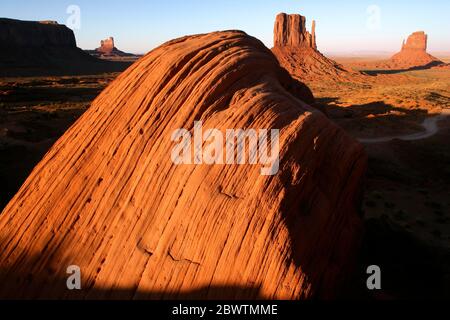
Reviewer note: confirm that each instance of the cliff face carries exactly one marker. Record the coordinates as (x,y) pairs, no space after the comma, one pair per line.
(35,34)
(108,49)
(107,46)
(290,31)
(296,50)
(45,48)
(416,41)
(108,198)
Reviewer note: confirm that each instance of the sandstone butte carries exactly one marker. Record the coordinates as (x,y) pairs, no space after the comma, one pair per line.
(296,50)
(107,46)
(414,53)
(108,199)
(108,49)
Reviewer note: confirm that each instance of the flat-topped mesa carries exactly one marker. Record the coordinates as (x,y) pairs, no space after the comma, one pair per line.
(45,48)
(17,33)
(416,41)
(290,31)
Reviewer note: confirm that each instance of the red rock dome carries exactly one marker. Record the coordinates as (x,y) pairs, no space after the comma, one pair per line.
(107,197)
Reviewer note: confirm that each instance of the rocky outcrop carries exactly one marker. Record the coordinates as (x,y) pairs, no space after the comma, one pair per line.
(33,48)
(108,198)
(290,31)
(413,54)
(313,35)
(108,50)
(416,41)
(16,33)
(296,50)
(107,46)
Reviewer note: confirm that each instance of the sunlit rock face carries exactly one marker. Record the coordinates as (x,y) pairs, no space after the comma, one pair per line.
(108,199)
(414,53)
(296,50)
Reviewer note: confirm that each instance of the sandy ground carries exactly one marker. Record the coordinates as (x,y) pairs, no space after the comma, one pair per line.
(430,125)
(406,205)
(34,113)
(403,121)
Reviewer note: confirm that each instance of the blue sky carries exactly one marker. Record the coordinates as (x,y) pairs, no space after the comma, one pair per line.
(342,26)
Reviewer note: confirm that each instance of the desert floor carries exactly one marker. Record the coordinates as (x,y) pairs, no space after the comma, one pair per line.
(34,113)
(407,198)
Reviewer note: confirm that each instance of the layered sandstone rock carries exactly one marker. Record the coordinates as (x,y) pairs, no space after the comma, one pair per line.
(413,53)
(108,198)
(296,50)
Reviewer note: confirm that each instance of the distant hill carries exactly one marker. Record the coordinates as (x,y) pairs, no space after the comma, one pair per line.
(38,48)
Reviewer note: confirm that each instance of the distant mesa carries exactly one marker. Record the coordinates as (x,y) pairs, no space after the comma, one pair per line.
(35,34)
(296,50)
(412,56)
(108,51)
(414,53)
(107,46)
(37,48)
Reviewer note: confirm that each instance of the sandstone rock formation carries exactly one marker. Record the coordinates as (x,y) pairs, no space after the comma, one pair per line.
(290,31)
(29,48)
(107,46)
(296,50)
(108,198)
(35,34)
(313,35)
(416,41)
(108,50)
(413,53)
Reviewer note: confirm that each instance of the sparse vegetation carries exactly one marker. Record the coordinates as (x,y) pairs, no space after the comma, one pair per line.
(34,112)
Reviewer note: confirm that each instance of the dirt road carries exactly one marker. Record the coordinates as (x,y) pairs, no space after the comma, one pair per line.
(430,125)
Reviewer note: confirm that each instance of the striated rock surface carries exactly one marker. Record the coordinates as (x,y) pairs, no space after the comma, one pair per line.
(296,50)
(108,198)
(413,53)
